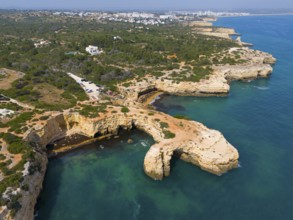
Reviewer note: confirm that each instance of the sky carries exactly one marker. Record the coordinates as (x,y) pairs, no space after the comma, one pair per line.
(147,4)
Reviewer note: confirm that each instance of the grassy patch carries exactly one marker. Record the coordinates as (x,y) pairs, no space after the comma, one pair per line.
(124,109)
(16,124)
(164,125)
(182,117)
(92,111)
(168,134)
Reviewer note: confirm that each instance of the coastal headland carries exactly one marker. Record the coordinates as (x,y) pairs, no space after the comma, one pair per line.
(189,140)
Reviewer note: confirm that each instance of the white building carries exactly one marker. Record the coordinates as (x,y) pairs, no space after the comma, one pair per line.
(41,43)
(93,50)
(5,113)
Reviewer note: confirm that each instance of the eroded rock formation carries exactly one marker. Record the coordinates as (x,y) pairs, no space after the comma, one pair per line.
(257,65)
(197,144)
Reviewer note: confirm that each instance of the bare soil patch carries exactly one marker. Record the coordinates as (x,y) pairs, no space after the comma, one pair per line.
(8,77)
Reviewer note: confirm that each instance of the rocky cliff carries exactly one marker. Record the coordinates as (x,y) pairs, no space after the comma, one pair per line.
(195,143)
(191,141)
(257,65)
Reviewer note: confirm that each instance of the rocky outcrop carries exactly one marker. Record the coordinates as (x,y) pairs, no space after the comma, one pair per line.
(257,65)
(198,24)
(193,142)
(244,72)
(196,144)
(206,28)
(34,183)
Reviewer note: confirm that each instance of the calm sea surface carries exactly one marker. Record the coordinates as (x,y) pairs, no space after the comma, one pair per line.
(107,182)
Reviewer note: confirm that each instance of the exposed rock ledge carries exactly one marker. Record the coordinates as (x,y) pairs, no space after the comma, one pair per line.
(194,142)
(257,65)
(197,144)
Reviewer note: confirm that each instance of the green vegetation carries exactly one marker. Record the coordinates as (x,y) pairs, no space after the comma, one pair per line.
(11,106)
(92,111)
(46,85)
(15,144)
(139,52)
(17,123)
(182,117)
(44,117)
(164,125)
(2,157)
(124,109)
(10,181)
(168,134)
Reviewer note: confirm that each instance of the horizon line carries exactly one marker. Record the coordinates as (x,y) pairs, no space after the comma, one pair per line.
(143,9)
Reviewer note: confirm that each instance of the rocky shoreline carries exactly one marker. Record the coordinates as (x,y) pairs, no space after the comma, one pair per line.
(258,65)
(191,140)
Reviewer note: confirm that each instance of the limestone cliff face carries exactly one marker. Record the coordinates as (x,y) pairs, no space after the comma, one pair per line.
(197,144)
(208,30)
(247,72)
(35,183)
(258,65)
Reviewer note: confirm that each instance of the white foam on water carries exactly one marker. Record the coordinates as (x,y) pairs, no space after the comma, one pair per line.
(155,99)
(261,87)
(137,210)
(143,144)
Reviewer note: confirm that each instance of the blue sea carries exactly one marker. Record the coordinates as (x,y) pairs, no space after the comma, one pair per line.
(107,182)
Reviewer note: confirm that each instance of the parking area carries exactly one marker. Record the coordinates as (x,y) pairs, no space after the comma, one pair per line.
(92,90)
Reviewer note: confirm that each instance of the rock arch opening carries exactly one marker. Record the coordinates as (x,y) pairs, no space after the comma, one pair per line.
(176,156)
(145,94)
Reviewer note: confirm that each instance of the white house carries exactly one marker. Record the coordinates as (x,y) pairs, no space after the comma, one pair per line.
(41,43)
(5,113)
(93,50)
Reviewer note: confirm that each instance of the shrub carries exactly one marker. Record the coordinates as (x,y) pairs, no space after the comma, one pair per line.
(124,109)
(182,117)
(15,144)
(168,134)
(44,117)
(10,181)
(164,125)
(2,157)
(19,121)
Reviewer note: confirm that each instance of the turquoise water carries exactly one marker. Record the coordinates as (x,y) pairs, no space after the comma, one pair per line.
(257,118)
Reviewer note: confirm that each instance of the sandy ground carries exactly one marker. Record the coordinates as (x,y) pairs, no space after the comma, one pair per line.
(50,94)
(16,158)
(10,77)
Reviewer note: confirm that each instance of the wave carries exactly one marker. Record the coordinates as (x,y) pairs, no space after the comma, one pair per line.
(136,210)
(143,144)
(261,87)
(158,97)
